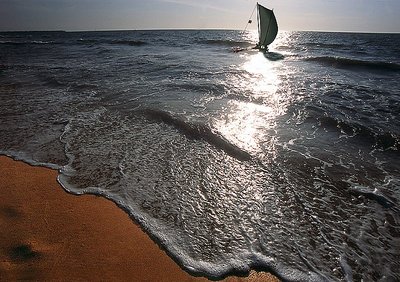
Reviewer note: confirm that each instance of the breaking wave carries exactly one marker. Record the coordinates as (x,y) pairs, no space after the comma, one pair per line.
(198,131)
(379,140)
(376,196)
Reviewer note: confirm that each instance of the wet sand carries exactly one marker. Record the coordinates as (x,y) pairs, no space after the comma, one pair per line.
(50,235)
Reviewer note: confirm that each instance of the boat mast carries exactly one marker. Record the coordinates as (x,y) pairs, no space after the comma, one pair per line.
(250,19)
(258,24)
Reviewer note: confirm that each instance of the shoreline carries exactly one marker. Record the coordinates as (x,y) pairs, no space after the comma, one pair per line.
(49,234)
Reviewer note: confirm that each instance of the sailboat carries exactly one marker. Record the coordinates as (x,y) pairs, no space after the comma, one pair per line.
(267,27)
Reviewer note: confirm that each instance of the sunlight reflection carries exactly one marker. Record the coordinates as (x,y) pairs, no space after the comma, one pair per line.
(245,124)
(264,79)
(249,121)
(250,35)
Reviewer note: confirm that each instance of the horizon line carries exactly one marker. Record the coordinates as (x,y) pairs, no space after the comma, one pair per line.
(177,29)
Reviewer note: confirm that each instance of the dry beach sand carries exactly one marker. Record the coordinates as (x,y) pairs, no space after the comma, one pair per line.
(50,235)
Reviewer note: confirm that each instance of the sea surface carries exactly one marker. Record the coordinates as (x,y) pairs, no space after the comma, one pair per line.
(287,161)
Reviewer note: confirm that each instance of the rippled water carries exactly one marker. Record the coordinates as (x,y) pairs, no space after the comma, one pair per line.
(287,162)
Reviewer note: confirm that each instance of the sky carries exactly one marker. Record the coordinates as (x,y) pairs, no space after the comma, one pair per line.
(317,15)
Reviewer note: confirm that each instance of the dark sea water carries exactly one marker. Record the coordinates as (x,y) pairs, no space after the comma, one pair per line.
(287,162)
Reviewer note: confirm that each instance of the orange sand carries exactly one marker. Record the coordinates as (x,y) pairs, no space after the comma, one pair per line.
(49,235)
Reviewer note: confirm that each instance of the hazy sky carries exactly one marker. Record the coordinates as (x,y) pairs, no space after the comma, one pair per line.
(332,15)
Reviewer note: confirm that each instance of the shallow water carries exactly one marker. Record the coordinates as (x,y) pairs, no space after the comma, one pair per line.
(287,162)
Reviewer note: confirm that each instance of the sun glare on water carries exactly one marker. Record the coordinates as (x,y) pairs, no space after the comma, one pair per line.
(248,122)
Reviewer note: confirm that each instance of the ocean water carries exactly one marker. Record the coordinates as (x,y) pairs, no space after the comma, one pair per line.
(287,162)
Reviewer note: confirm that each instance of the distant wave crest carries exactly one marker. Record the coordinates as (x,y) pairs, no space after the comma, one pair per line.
(116,42)
(347,63)
(35,42)
(79,41)
(229,43)
(129,42)
(324,45)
